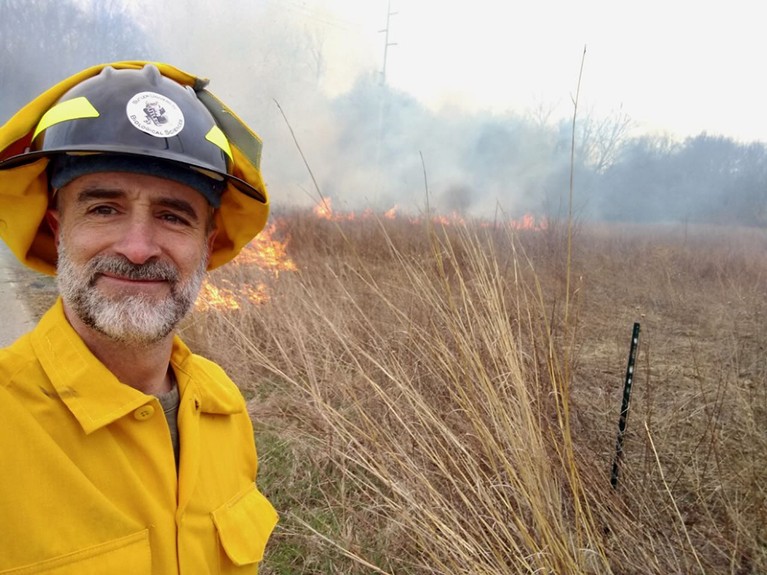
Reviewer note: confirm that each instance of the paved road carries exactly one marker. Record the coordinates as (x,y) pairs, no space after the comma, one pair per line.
(15,319)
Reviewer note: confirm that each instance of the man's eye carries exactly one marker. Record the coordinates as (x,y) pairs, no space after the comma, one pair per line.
(102,210)
(174,219)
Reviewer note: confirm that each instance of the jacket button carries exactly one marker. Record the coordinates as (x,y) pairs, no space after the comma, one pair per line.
(144,412)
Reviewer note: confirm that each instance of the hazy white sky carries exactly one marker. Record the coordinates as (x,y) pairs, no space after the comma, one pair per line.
(678,66)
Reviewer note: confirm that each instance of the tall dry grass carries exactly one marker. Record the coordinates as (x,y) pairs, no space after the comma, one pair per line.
(422,406)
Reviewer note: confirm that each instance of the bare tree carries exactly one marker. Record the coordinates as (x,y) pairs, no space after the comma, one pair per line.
(315,44)
(600,139)
(43,42)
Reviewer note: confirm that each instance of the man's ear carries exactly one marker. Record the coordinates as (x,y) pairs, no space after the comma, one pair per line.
(211,239)
(53,219)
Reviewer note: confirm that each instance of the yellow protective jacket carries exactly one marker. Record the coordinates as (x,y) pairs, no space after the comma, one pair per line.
(89,482)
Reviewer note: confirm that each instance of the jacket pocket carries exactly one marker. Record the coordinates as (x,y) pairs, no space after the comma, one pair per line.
(129,554)
(244,524)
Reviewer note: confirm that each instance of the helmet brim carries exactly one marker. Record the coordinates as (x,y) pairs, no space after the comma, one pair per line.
(238,183)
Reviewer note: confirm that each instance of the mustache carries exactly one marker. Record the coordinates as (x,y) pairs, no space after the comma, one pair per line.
(152,270)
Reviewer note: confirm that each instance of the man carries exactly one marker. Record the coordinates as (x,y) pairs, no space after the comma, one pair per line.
(122,451)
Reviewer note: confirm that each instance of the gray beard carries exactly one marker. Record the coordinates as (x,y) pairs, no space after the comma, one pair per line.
(137,320)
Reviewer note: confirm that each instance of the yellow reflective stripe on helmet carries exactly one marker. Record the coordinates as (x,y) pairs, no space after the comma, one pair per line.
(69,110)
(216,136)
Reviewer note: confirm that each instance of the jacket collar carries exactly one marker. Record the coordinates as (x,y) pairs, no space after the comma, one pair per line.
(97,398)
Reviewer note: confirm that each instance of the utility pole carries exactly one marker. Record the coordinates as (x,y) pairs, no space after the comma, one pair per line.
(389,14)
(383,110)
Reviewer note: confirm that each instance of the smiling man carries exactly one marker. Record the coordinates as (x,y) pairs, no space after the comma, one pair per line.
(133,250)
(123,452)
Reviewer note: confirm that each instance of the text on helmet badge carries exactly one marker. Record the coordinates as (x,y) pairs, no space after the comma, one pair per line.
(155,114)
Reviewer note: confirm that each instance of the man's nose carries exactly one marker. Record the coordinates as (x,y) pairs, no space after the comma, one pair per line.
(138,240)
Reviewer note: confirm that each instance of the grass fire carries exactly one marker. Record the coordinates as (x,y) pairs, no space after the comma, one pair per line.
(429,399)
(268,255)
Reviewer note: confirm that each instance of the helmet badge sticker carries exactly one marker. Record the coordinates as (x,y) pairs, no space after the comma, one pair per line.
(155,114)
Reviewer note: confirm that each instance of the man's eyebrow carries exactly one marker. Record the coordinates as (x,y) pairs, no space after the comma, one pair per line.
(98,194)
(179,205)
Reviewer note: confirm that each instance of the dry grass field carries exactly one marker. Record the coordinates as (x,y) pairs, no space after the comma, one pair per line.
(429,398)
(444,398)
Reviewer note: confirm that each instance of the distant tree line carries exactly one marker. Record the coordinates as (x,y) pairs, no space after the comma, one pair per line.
(706,178)
(524,163)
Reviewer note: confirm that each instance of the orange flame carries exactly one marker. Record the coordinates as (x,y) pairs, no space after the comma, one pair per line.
(448,220)
(265,252)
(528,222)
(324,210)
(214,297)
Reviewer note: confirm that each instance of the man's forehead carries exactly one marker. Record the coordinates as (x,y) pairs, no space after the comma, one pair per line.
(137,187)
